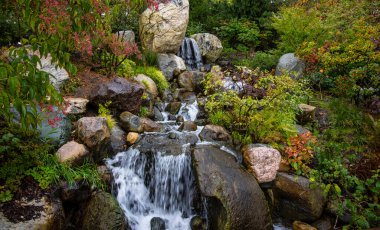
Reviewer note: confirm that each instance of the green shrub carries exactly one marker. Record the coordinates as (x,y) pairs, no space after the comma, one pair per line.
(126,68)
(106,113)
(262,60)
(156,75)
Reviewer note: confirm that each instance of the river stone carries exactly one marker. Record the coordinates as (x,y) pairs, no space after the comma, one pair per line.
(51,216)
(297,201)
(168,63)
(173,107)
(150,126)
(118,142)
(235,200)
(103,213)
(130,122)
(132,138)
(188,126)
(163,29)
(210,46)
(95,134)
(126,36)
(289,63)
(75,105)
(215,133)
(72,152)
(125,95)
(262,160)
(156,223)
(148,84)
(191,80)
(298,225)
(165,143)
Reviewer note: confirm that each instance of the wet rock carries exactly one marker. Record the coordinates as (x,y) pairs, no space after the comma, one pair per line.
(289,63)
(235,200)
(188,97)
(173,107)
(165,143)
(163,30)
(125,95)
(157,114)
(156,223)
(118,143)
(103,213)
(215,133)
(148,84)
(49,215)
(297,201)
(126,36)
(132,138)
(180,119)
(191,80)
(105,174)
(197,223)
(172,117)
(95,134)
(210,46)
(262,160)
(188,126)
(150,126)
(298,225)
(72,152)
(76,192)
(168,63)
(75,105)
(130,122)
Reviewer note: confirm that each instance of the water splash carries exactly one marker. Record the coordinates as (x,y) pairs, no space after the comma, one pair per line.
(191,54)
(158,186)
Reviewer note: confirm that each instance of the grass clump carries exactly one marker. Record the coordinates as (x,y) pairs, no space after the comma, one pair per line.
(103,111)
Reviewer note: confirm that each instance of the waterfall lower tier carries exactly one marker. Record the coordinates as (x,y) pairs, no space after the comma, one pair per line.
(154,186)
(191,54)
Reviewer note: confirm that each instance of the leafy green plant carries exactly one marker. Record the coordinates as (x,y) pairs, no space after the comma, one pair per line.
(106,113)
(156,75)
(127,69)
(262,60)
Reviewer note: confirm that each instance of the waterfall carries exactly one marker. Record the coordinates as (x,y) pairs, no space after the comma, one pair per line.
(154,186)
(191,54)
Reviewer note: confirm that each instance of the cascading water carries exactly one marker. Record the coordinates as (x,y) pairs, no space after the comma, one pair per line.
(160,186)
(191,54)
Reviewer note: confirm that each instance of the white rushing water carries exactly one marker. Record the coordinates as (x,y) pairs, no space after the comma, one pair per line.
(159,187)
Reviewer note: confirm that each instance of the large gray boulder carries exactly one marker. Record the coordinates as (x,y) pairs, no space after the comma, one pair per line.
(296,200)
(103,213)
(168,63)
(58,76)
(48,215)
(210,46)
(215,133)
(262,160)
(235,200)
(118,139)
(148,84)
(72,152)
(125,95)
(163,29)
(289,63)
(191,80)
(126,36)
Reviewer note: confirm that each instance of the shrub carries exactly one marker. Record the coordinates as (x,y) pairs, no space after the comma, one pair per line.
(156,75)
(262,60)
(106,113)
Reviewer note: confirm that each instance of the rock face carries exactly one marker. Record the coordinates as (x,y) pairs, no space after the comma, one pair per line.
(297,201)
(163,30)
(118,142)
(126,36)
(235,200)
(169,63)
(50,217)
(131,122)
(125,95)
(215,133)
(191,80)
(262,160)
(210,46)
(289,63)
(103,213)
(165,143)
(149,85)
(72,152)
(75,105)
(95,134)
(58,76)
